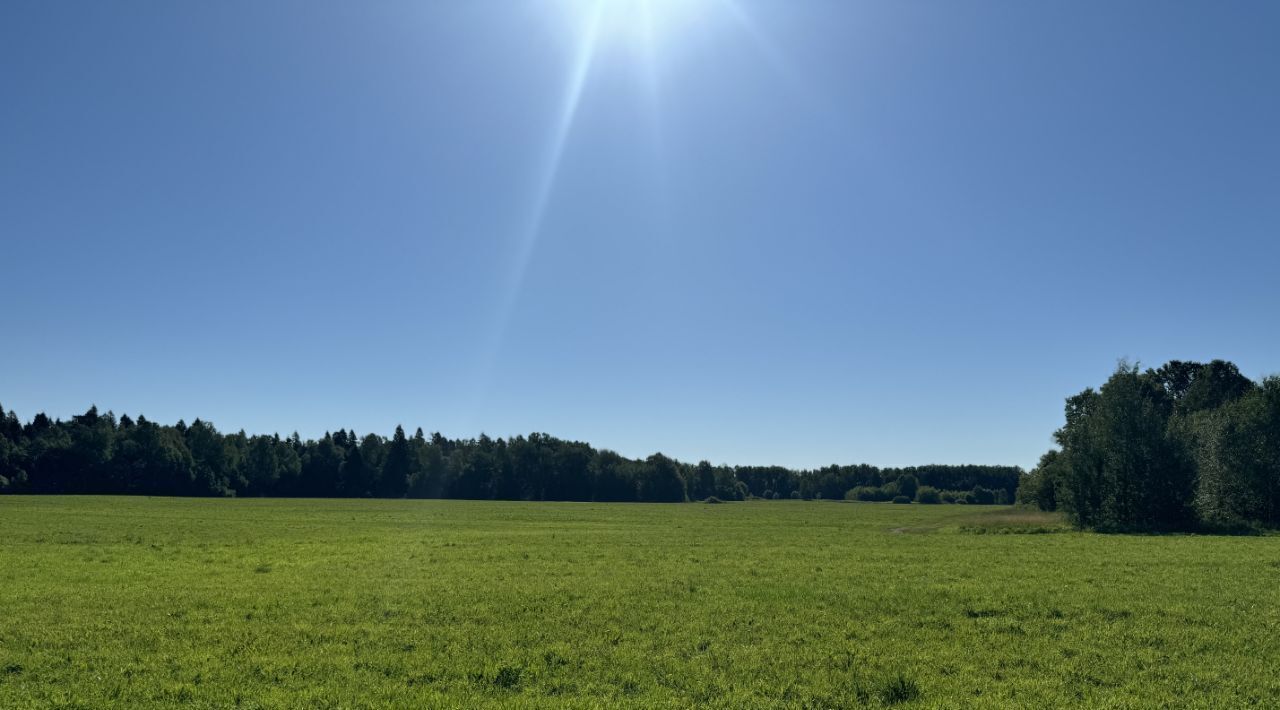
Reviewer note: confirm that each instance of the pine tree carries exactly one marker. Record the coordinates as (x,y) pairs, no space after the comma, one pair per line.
(394,479)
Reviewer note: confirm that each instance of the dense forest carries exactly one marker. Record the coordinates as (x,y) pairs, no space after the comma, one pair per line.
(100,453)
(1186,446)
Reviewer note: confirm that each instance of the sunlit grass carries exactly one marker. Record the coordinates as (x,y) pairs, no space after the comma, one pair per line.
(282,603)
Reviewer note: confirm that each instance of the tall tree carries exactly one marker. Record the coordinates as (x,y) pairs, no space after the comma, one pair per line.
(702,481)
(1196,387)
(613,478)
(321,467)
(397,468)
(356,477)
(155,460)
(1238,452)
(660,481)
(260,468)
(214,458)
(1123,467)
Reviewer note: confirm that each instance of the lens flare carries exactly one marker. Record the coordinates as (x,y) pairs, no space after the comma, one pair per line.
(643,29)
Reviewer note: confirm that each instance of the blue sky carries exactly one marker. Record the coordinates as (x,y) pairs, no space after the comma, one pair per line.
(758,232)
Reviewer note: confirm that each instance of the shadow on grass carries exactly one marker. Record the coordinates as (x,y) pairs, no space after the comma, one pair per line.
(1204,528)
(1030,521)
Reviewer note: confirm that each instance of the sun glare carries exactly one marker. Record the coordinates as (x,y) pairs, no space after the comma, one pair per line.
(644,24)
(647,31)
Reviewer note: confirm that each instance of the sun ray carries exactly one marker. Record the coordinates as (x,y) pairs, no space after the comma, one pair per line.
(772,54)
(644,24)
(544,186)
(647,66)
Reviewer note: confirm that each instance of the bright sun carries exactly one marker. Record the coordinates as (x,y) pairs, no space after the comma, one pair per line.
(645,29)
(643,23)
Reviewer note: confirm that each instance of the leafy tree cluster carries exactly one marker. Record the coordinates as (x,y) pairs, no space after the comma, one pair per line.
(971,483)
(1182,446)
(929,495)
(983,485)
(100,453)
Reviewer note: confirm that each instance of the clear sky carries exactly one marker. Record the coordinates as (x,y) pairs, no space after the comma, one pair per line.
(794,232)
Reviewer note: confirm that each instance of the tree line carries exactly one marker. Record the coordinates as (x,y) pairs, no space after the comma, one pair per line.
(98,453)
(1184,446)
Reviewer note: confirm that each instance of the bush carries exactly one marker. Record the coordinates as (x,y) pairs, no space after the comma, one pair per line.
(795,495)
(775,496)
(1039,488)
(711,499)
(902,500)
(768,495)
(929,495)
(867,493)
(982,496)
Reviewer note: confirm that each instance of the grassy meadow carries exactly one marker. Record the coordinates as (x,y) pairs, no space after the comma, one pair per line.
(151,602)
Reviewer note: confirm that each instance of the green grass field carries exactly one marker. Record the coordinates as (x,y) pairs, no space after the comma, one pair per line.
(135,602)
